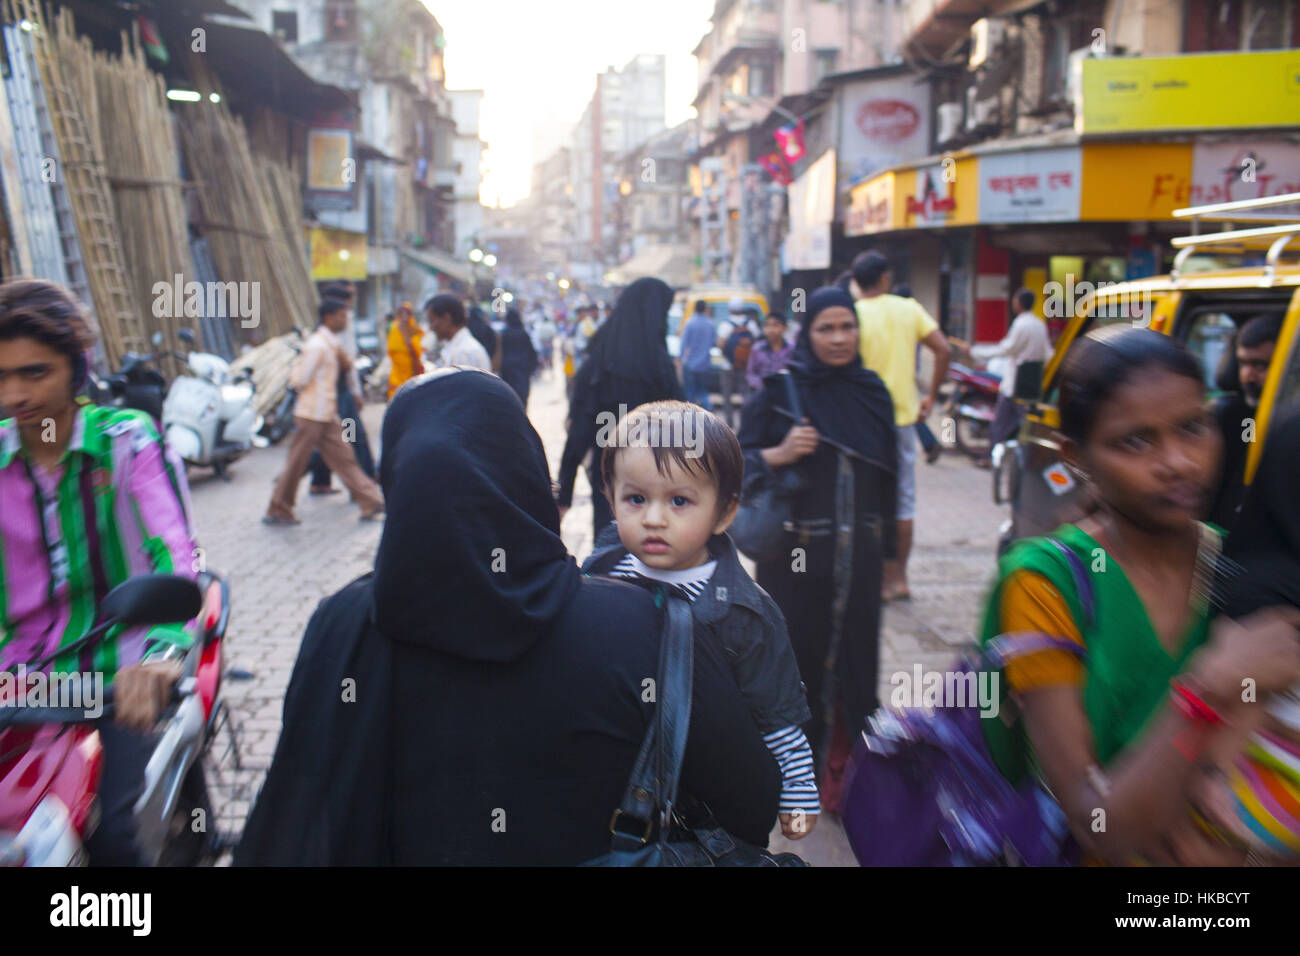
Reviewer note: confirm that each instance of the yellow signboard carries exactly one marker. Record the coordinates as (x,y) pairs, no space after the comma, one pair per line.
(336,254)
(1192,92)
(1135,180)
(872,207)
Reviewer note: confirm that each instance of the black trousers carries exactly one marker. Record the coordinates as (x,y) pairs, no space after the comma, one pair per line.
(320,475)
(113,842)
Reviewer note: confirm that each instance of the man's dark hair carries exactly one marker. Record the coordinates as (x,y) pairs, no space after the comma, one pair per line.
(776,315)
(701,305)
(1260,329)
(339,290)
(1024,299)
(868,268)
(445,303)
(47,312)
(720,458)
(329,306)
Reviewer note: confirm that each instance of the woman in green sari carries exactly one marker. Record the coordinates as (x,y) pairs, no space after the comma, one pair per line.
(1121,684)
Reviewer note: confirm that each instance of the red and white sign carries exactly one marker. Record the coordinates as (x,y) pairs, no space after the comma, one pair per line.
(932,203)
(884,123)
(1226,172)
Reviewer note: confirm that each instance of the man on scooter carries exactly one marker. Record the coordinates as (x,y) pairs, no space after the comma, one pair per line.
(90,499)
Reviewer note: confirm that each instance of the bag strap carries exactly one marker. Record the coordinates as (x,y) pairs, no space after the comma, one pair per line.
(652,785)
(792,396)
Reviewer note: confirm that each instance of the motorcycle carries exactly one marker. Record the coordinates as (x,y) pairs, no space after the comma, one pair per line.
(209,418)
(134,385)
(971,406)
(51,758)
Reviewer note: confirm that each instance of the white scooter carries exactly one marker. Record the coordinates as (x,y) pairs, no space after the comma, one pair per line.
(209,418)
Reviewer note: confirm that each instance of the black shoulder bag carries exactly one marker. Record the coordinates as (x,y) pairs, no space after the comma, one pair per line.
(651,792)
(766,511)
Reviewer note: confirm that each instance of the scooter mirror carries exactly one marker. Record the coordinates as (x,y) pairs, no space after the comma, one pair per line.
(152,599)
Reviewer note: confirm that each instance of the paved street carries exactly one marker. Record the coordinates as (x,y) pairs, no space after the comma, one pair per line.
(277,576)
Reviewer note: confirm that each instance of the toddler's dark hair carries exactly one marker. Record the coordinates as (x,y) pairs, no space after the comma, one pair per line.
(1107,358)
(721,458)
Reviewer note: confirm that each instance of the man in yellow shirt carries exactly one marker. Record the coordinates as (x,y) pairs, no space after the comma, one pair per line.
(890,329)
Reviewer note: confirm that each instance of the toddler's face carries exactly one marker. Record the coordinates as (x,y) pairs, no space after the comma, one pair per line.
(665,520)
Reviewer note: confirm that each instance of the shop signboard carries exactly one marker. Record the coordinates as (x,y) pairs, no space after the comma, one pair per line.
(1042,185)
(812,208)
(1191,92)
(883,123)
(871,207)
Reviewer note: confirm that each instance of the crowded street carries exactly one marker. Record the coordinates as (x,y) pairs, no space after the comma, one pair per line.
(277,580)
(581,434)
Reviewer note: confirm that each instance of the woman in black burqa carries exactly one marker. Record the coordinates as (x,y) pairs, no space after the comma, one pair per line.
(485,334)
(827,583)
(627,365)
(475,699)
(518,356)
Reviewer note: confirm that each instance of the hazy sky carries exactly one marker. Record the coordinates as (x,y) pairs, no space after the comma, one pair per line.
(538,60)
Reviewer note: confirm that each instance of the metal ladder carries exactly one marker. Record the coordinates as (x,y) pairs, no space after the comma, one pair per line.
(83,200)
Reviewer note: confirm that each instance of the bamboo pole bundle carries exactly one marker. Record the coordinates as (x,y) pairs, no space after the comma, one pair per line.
(143,161)
(241,222)
(268,366)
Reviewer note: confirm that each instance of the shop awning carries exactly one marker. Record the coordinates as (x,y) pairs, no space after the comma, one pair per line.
(437,261)
(672,263)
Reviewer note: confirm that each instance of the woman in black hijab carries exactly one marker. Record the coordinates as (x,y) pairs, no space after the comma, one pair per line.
(485,334)
(627,365)
(829,589)
(476,700)
(518,357)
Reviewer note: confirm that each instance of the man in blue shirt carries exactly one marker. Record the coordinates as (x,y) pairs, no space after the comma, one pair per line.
(697,341)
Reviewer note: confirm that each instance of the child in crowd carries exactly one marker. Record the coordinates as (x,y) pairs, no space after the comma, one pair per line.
(672,473)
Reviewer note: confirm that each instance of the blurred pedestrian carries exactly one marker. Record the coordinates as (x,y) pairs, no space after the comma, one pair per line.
(447,319)
(891,329)
(518,357)
(350,402)
(486,336)
(696,355)
(405,348)
(317,425)
(478,624)
(827,581)
(736,337)
(627,365)
(1026,341)
(771,354)
(1128,684)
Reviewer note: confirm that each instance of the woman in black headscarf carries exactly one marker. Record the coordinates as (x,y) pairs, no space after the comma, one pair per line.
(486,336)
(518,356)
(476,700)
(627,365)
(845,453)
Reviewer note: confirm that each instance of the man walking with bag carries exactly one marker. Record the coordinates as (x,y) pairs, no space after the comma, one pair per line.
(317,426)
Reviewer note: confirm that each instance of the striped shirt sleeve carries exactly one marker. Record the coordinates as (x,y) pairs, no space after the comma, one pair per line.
(794,756)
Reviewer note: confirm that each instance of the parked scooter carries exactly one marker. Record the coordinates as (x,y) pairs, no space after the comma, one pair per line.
(209,418)
(134,385)
(278,421)
(971,405)
(51,758)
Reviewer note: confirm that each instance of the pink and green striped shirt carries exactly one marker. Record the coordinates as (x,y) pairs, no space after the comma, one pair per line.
(116,506)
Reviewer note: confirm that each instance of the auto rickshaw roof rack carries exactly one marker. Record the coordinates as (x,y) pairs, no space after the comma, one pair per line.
(1279,231)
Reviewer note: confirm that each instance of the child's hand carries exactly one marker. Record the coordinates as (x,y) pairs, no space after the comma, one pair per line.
(797,825)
